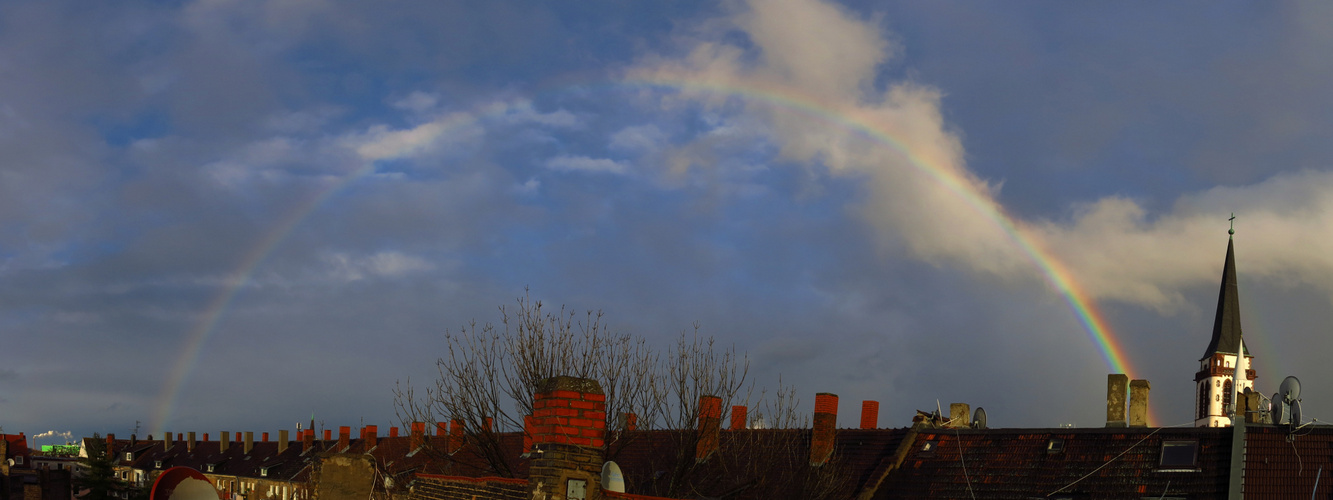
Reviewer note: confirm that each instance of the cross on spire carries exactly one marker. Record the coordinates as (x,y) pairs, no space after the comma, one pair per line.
(1233,224)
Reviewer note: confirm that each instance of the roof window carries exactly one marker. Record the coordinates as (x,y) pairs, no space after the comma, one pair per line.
(1055,445)
(1180,454)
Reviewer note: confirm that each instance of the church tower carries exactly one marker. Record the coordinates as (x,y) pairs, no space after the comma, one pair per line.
(1216,384)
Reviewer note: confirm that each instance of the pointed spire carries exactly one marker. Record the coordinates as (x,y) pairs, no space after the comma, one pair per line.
(1226,325)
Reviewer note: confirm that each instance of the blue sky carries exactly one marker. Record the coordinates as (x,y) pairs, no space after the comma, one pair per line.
(403,168)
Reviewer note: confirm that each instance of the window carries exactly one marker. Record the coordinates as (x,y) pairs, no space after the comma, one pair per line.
(1227,391)
(1055,445)
(129,456)
(210,467)
(263,472)
(157,464)
(1179,454)
(18,459)
(929,447)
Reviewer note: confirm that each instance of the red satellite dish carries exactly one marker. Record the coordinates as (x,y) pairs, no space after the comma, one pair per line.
(183,483)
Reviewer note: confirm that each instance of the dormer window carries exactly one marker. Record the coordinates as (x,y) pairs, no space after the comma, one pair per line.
(129,456)
(157,464)
(263,472)
(1179,454)
(18,459)
(210,467)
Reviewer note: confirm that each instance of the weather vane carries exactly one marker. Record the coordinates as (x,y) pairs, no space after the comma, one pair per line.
(1233,224)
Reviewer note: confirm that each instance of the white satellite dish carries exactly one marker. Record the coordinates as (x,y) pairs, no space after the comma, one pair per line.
(612,479)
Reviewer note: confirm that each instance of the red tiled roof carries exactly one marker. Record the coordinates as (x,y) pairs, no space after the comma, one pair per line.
(1278,467)
(1016,464)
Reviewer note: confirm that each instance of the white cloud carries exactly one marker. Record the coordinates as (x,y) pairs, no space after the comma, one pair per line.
(384,264)
(585,164)
(638,139)
(923,198)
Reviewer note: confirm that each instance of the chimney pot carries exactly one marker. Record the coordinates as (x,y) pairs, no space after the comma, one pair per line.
(870,414)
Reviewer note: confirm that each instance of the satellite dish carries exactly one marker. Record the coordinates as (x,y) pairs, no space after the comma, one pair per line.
(1279,410)
(1290,389)
(1295,414)
(183,483)
(979,418)
(612,479)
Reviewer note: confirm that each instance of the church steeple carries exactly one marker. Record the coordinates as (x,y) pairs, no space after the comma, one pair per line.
(1223,372)
(1226,325)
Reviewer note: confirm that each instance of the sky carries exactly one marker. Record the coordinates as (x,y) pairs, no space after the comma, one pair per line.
(231,214)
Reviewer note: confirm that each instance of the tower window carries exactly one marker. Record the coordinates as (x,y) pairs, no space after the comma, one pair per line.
(1227,389)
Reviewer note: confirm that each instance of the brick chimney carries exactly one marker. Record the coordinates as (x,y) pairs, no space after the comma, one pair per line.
(870,414)
(457,435)
(328,435)
(826,422)
(488,425)
(344,438)
(393,431)
(629,421)
(1138,403)
(282,441)
(738,415)
(1115,399)
(205,437)
(250,441)
(111,446)
(189,442)
(225,441)
(441,431)
(166,441)
(264,437)
(307,440)
(372,436)
(710,423)
(418,435)
(568,429)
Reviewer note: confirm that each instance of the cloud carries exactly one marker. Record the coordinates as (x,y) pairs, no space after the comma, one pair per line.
(638,139)
(924,199)
(385,264)
(586,164)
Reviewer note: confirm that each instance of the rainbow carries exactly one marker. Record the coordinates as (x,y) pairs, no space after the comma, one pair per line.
(1053,271)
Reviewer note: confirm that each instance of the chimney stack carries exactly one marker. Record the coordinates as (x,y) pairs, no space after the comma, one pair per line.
(488,425)
(328,435)
(205,437)
(960,415)
(568,437)
(738,415)
(344,438)
(111,446)
(826,421)
(264,437)
(372,436)
(224,442)
(456,435)
(189,442)
(282,441)
(1115,399)
(393,431)
(441,431)
(710,423)
(1138,403)
(250,441)
(629,421)
(166,441)
(418,435)
(870,414)
(307,440)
